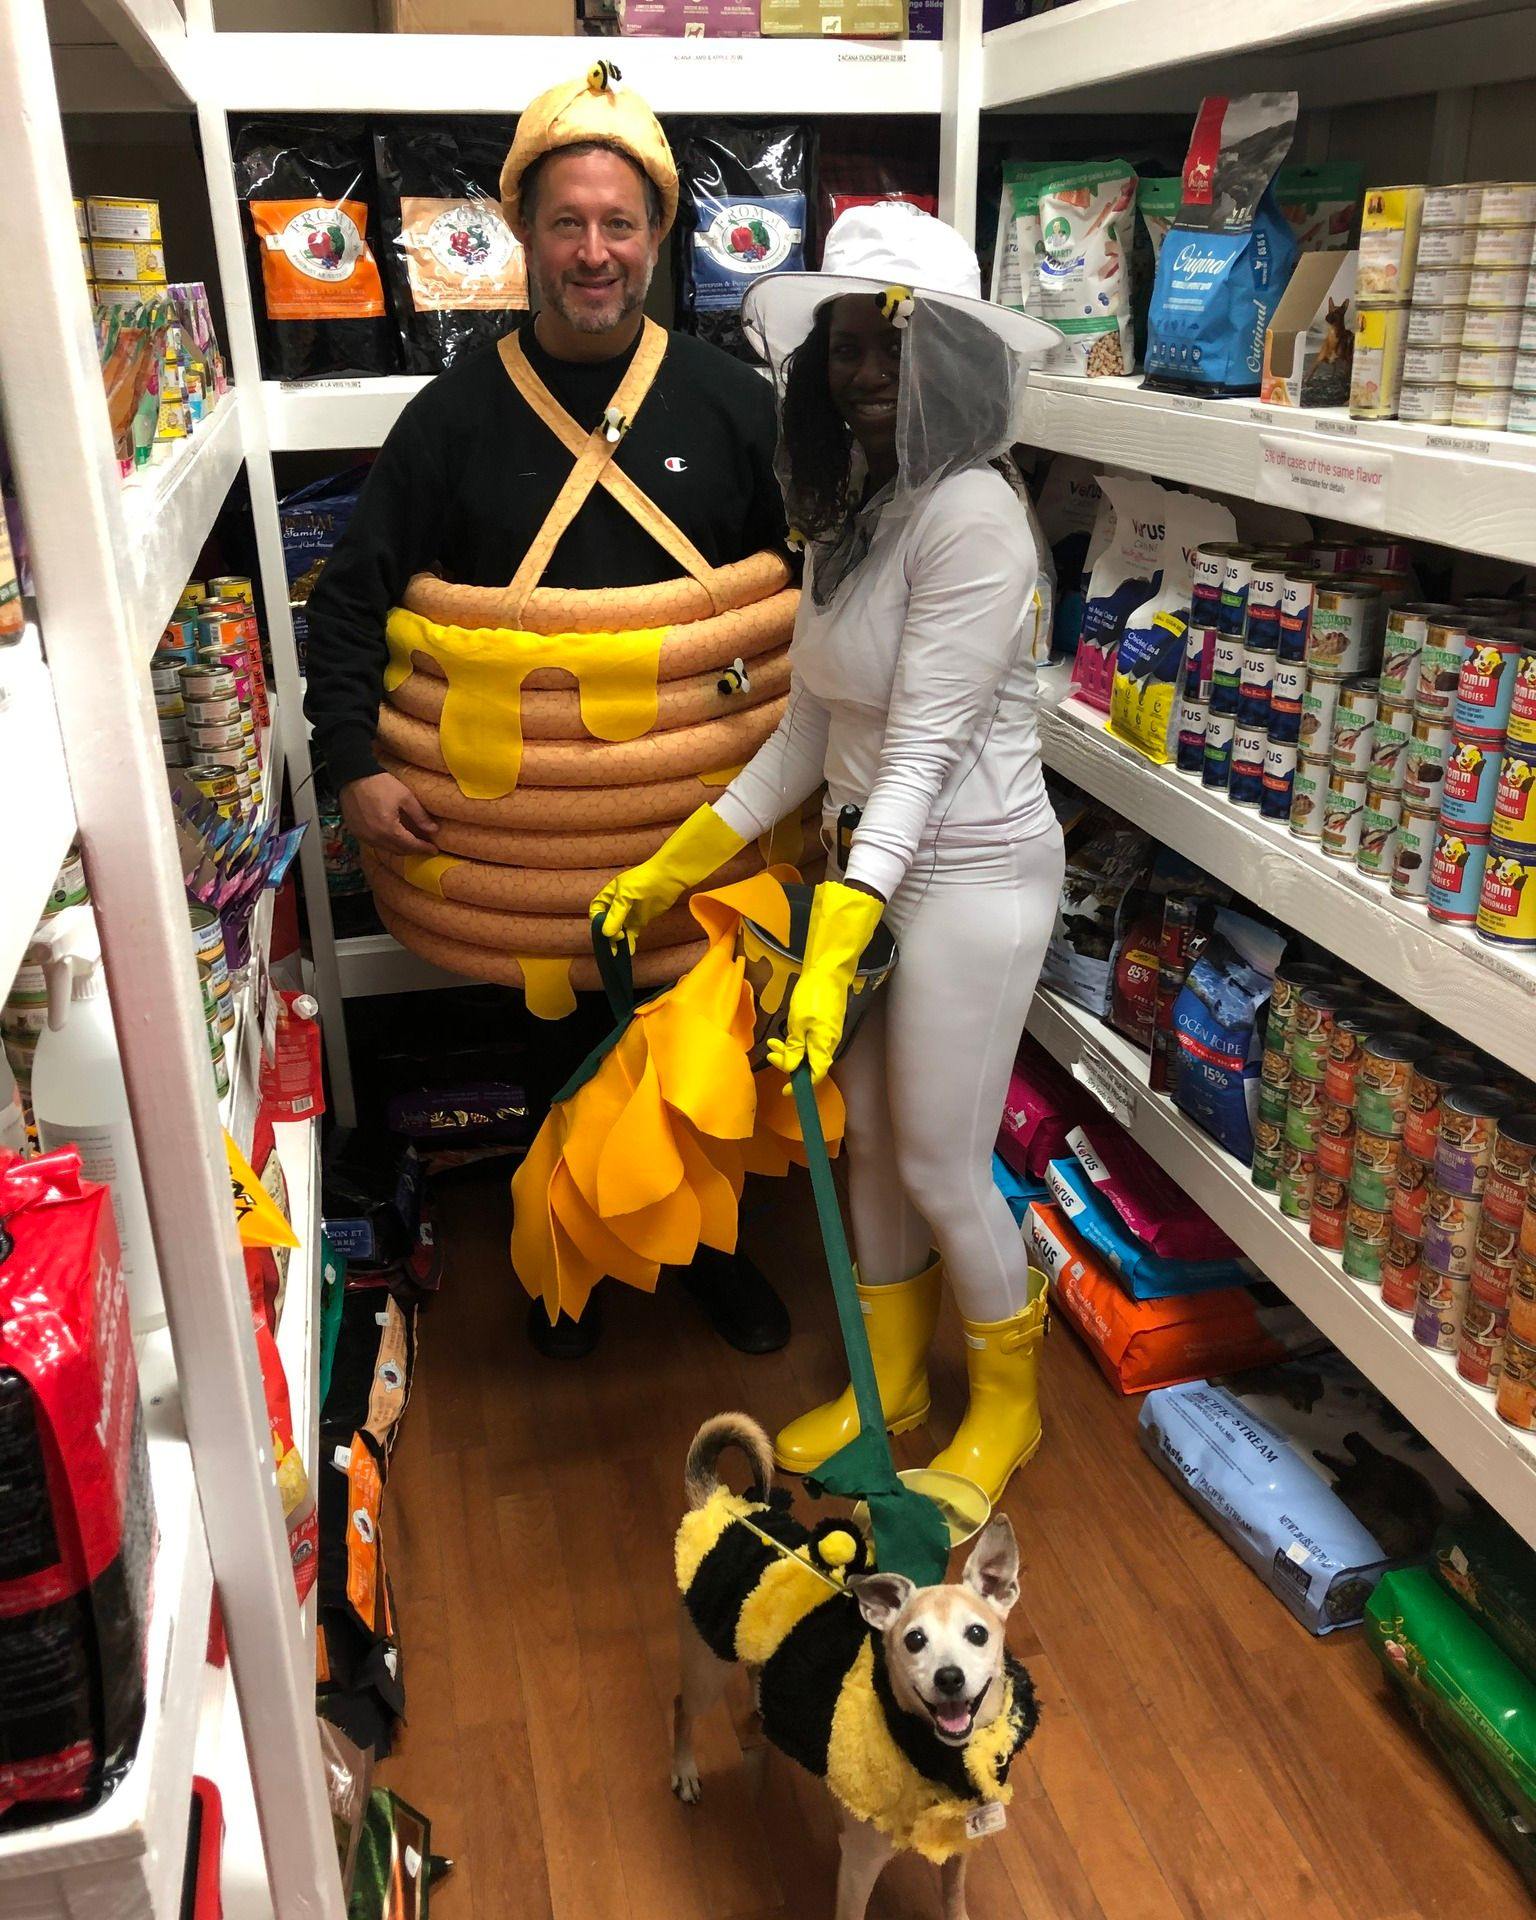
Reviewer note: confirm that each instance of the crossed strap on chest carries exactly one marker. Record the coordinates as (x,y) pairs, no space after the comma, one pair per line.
(593,454)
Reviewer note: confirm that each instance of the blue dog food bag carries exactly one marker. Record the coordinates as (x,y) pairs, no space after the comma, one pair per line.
(1143,1274)
(1225,263)
(1309,1476)
(1215,1064)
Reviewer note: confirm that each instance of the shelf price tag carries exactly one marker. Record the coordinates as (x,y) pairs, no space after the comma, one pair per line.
(1115,1091)
(1343,483)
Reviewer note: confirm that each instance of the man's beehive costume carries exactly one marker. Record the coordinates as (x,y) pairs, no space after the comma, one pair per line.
(556,734)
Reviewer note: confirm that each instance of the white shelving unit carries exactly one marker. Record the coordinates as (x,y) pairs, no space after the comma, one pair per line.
(34,787)
(1486,994)
(1499,1461)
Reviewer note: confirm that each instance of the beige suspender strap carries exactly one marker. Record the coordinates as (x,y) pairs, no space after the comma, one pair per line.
(593,454)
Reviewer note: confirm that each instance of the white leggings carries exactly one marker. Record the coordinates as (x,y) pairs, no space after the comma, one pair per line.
(926,1075)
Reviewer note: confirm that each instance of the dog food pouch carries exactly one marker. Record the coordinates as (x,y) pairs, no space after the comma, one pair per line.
(1321,204)
(457,277)
(744,203)
(1225,264)
(308,193)
(1216,1025)
(1082,276)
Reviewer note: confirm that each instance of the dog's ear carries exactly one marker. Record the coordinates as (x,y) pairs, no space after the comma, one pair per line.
(993,1568)
(881,1596)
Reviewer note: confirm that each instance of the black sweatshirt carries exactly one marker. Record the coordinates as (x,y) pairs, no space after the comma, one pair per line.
(468,473)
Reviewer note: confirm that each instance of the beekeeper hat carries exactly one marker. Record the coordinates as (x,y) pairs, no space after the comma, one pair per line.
(892,249)
(596,107)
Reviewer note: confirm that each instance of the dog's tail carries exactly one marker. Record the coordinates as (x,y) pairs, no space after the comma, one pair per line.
(727,1430)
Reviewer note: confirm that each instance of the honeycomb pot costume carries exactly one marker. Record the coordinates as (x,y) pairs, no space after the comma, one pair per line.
(553,733)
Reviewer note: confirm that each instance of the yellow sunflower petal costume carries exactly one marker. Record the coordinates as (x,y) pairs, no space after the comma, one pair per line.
(641,1161)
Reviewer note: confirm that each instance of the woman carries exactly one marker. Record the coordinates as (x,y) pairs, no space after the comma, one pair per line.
(913,697)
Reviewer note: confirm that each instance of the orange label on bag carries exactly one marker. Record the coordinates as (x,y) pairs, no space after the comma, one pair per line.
(365,1493)
(461,254)
(315,260)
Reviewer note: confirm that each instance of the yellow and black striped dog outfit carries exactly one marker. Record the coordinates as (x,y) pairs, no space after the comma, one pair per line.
(823,1689)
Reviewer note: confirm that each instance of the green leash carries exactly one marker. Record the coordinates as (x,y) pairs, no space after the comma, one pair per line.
(911,1536)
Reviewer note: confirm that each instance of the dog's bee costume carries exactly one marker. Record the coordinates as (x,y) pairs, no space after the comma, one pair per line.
(823,1689)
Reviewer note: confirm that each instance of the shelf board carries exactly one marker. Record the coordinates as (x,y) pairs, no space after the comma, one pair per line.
(1484,993)
(35,799)
(168,511)
(1424,1386)
(317,416)
(500,73)
(124,1860)
(372,963)
(1162,55)
(1456,487)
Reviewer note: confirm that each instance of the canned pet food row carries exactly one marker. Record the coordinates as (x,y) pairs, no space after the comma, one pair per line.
(210,693)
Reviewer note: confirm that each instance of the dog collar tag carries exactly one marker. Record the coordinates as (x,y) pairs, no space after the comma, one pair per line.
(989,1818)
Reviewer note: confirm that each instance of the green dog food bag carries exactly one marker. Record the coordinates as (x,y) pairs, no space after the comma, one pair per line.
(1446,1664)
(1492,1572)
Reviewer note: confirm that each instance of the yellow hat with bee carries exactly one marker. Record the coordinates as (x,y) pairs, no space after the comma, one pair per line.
(596,108)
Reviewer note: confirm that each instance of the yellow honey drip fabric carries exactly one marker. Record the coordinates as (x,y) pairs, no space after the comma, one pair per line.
(644,1162)
(482,725)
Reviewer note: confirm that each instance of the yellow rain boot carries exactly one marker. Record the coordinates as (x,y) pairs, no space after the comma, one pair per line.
(899,1321)
(1001,1428)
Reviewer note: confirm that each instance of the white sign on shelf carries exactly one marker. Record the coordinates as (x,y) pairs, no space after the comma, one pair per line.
(1344,483)
(1115,1091)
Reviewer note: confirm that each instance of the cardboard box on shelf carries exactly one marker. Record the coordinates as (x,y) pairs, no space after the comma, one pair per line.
(834,19)
(556,17)
(689,19)
(1309,347)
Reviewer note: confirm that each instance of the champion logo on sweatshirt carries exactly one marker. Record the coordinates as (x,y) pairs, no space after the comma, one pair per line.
(675,463)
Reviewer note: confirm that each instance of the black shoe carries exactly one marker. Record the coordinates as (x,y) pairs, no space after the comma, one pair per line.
(742,1308)
(567,1339)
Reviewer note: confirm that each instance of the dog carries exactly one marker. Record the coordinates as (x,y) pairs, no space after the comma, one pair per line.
(902,1698)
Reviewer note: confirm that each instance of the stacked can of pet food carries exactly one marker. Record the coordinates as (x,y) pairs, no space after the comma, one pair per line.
(1453,1205)
(1380,1110)
(1495,1253)
(1431,1075)
(1516,1385)
(1293,978)
(211,693)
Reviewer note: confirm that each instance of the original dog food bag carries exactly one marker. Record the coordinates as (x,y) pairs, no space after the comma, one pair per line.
(1225,264)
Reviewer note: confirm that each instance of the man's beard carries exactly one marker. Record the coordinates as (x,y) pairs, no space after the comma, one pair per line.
(627,296)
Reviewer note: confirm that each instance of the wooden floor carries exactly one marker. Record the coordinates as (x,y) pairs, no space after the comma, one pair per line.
(1199,1754)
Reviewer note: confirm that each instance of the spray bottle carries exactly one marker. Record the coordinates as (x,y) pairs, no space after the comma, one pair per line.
(79,1098)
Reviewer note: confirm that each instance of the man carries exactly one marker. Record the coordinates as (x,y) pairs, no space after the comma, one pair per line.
(464,482)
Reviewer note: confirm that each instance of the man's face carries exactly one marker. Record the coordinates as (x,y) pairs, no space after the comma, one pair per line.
(591,249)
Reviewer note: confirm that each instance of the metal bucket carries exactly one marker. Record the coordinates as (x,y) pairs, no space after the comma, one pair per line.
(773,969)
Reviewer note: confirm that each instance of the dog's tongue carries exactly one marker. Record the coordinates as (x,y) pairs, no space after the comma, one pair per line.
(956,1719)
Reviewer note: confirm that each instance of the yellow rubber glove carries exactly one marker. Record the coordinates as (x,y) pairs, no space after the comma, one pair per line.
(843,920)
(639,895)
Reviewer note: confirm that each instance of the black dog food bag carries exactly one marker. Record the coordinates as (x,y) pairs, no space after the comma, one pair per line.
(314,249)
(745,196)
(456,274)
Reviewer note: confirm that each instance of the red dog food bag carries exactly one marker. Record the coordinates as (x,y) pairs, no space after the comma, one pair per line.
(77,1526)
(1044,1104)
(1140,1344)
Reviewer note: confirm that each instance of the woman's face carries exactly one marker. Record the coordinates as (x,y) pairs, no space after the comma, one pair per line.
(863,376)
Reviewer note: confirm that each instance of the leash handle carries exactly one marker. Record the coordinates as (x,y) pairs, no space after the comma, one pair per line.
(850,1316)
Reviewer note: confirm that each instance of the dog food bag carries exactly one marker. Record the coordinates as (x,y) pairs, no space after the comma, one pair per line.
(1154,1208)
(1133,974)
(1225,264)
(1308,1475)
(1044,1104)
(1157,204)
(308,193)
(1443,1659)
(457,278)
(1068,507)
(1146,568)
(745,200)
(1492,1572)
(1322,204)
(1007,283)
(1140,1344)
(1020,1193)
(1105,860)
(77,1524)
(1082,278)
(1216,1030)
(1142,1273)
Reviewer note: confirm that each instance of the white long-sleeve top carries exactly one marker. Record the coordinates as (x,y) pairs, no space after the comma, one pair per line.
(911,693)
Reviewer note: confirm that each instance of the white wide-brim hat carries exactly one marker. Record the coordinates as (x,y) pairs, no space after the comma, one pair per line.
(891,245)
